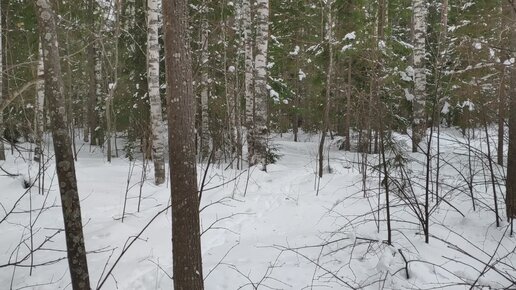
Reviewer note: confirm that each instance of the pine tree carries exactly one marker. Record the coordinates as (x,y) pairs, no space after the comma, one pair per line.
(186,241)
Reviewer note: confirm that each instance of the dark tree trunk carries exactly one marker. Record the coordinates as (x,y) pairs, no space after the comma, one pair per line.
(65,165)
(92,98)
(347,120)
(511,156)
(3,70)
(186,242)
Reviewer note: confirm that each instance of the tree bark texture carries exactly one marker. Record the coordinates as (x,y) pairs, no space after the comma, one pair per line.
(205,89)
(2,128)
(418,59)
(65,166)
(158,130)
(511,158)
(260,132)
(186,242)
(329,74)
(40,97)
(249,78)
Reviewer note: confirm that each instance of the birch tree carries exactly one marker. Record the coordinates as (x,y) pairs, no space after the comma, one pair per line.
(186,240)
(418,62)
(205,90)
(153,47)
(257,137)
(249,77)
(65,165)
(40,96)
(99,94)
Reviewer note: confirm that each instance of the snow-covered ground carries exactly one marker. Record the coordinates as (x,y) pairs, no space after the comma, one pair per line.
(280,229)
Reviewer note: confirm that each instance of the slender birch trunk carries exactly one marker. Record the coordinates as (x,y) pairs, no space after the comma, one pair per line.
(99,96)
(503,90)
(205,147)
(65,164)
(502,103)
(418,59)
(158,130)
(40,101)
(260,132)
(249,79)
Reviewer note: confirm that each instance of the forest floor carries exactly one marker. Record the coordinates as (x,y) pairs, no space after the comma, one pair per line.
(280,229)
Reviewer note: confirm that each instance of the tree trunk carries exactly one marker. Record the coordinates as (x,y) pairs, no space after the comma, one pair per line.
(2,52)
(158,130)
(418,59)
(260,132)
(99,96)
(511,156)
(347,118)
(326,116)
(249,79)
(186,241)
(92,98)
(503,89)
(65,165)
(40,97)
(501,120)
(205,147)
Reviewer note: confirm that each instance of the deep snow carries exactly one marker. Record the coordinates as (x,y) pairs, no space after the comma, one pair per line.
(280,229)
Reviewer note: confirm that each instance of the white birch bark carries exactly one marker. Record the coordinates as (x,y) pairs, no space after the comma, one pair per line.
(205,125)
(158,130)
(40,97)
(249,78)
(98,94)
(261,92)
(419,54)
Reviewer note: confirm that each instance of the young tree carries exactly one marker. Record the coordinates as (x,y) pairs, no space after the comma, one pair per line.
(2,149)
(65,165)
(205,141)
(511,157)
(153,47)
(418,61)
(260,132)
(91,69)
(40,97)
(329,73)
(186,241)
(249,77)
